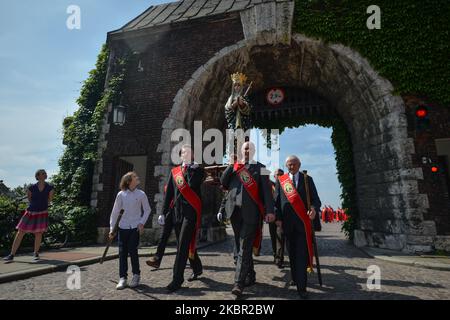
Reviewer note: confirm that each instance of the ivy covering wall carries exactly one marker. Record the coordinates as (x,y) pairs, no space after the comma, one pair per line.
(81,132)
(412,48)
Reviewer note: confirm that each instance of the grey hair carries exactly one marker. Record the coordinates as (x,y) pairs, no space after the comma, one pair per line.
(292,157)
(187,146)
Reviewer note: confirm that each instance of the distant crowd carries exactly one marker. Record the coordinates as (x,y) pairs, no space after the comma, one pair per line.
(331,215)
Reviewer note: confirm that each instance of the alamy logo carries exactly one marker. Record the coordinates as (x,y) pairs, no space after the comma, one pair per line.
(374,21)
(74,19)
(74,279)
(213,152)
(374,279)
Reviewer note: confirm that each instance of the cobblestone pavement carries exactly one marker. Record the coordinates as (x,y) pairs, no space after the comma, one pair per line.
(344,272)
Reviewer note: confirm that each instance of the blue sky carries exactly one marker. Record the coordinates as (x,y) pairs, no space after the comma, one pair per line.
(312,144)
(43,64)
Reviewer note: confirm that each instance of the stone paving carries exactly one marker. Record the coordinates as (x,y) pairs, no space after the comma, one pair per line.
(344,272)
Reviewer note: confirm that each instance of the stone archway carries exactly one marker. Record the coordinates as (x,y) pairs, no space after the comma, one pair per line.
(388,199)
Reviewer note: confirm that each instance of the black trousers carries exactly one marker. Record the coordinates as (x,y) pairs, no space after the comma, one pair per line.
(244,235)
(169,225)
(195,263)
(298,257)
(164,237)
(184,232)
(128,245)
(278,240)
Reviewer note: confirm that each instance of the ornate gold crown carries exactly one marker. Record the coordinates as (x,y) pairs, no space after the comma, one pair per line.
(239,78)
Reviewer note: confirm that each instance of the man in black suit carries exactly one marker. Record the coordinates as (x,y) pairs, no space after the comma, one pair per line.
(245,212)
(293,226)
(184,217)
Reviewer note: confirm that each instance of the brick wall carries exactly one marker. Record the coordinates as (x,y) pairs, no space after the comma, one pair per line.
(169,56)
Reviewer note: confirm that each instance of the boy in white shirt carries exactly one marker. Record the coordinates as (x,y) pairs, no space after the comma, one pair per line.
(136,208)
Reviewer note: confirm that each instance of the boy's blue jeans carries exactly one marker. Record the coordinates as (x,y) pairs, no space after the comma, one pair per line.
(128,245)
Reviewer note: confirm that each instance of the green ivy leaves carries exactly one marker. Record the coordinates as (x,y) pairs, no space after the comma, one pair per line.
(81,132)
(412,48)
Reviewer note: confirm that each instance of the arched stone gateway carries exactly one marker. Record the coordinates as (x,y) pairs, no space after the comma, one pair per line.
(390,205)
(183,54)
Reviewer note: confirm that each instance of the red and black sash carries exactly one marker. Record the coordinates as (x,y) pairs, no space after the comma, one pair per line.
(252,188)
(193,199)
(299,208)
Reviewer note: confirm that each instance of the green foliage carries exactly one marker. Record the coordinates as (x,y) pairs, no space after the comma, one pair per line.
(343,155)
(81,221)
(346,173)
(10,213)
(7,210)
(411,49)
(21,191)
(81,132)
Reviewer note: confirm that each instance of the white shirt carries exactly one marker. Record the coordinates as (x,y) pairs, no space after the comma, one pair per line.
(294,178)
(132,202)
(192,165)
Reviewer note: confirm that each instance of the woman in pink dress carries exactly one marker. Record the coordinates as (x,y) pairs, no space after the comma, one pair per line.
(35,218)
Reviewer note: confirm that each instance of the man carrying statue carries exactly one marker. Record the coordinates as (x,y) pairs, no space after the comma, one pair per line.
(248,202)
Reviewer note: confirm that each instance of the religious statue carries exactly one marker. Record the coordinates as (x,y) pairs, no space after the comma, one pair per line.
(238,108)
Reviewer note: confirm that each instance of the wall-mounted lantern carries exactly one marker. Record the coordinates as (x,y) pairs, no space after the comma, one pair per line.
(119,114)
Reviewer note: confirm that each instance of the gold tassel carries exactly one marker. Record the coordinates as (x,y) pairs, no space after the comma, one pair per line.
(309,270)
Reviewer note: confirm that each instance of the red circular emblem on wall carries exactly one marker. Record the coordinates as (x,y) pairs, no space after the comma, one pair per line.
(275,96)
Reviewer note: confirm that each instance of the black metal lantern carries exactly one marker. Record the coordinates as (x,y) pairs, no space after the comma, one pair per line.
(119,114)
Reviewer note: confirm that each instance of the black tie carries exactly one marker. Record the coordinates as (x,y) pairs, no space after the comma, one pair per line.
(293,180)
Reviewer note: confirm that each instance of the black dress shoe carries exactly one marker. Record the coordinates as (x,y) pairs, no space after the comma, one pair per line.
(292,283)
(172,287)
(194,276)
(237,290)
